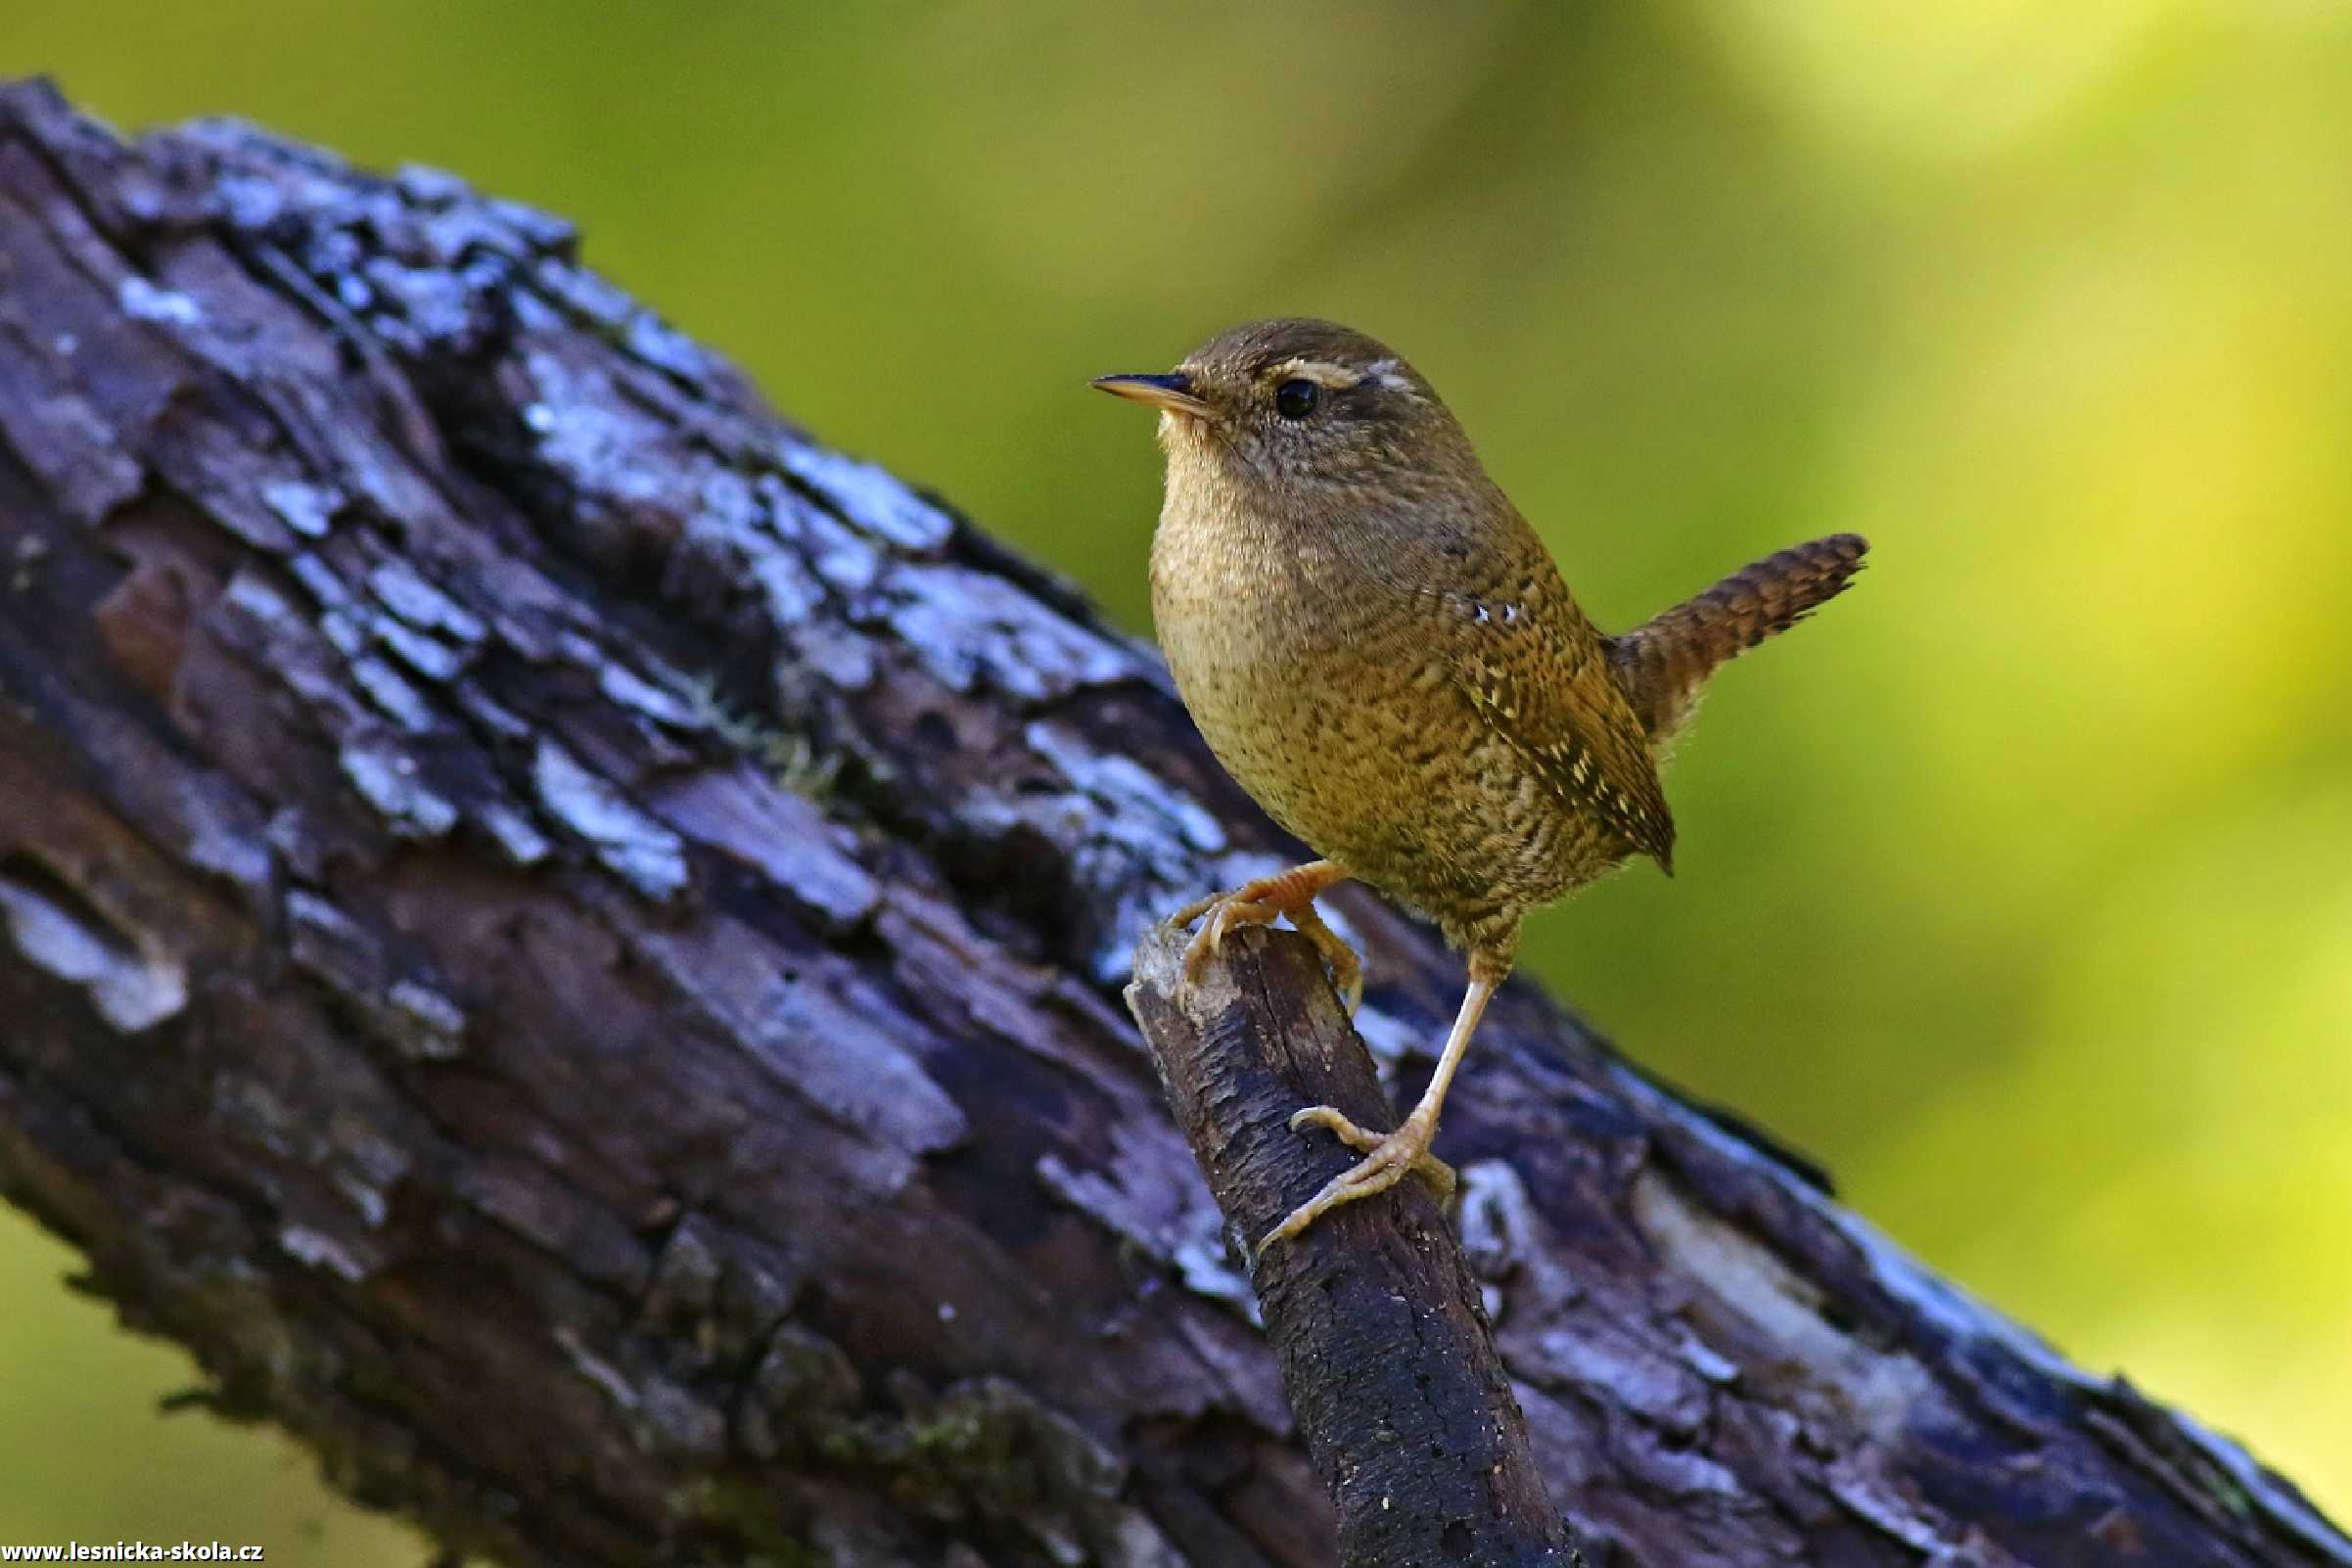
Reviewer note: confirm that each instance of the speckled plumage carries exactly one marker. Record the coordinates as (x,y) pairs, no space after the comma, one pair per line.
(1378,647)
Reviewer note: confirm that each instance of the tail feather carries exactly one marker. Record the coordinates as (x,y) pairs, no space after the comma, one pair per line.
(1664,662)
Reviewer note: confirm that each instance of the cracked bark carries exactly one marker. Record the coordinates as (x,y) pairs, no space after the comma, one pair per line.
(564,939)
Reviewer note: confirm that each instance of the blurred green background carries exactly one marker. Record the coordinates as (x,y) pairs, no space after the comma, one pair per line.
(2018,886)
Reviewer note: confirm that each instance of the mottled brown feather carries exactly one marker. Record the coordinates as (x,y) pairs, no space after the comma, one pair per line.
(1537,670)
(1662,663)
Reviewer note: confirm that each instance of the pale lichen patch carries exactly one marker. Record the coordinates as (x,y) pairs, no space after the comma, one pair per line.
(144,301)
(308,509)
(635,846)
(1882,1388)
(389,779)
(131,989)
(871,496)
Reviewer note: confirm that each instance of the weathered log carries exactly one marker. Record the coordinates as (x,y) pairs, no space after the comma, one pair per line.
(564,939)
(1374,1316)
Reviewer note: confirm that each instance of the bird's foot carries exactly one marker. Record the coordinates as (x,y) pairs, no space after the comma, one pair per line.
(1262,901)
(1388,1159)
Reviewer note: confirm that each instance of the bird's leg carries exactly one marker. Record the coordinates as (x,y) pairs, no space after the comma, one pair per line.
(1389,1156)
(1290,893)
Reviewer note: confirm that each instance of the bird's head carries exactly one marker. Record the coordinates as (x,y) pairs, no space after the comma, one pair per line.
(1298,409)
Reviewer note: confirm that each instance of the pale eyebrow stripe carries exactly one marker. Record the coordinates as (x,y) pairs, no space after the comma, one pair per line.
(1324,373)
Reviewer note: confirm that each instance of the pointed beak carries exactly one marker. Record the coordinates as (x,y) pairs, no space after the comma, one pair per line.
(1172,393)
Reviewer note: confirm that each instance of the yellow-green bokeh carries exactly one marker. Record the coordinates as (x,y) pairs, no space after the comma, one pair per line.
(2018,886)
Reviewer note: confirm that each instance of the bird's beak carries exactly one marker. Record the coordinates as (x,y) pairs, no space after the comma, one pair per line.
(1172,393)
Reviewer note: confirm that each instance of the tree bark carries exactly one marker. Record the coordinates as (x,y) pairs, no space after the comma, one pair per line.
(564,939)
(1387,1359)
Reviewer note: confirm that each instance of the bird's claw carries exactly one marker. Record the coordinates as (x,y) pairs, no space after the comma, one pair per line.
(1260,904)
(1226,914)
(1389,1157)
(1346,970)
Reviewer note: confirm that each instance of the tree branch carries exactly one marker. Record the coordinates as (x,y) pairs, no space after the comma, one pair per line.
(1403,1402)
(564,939)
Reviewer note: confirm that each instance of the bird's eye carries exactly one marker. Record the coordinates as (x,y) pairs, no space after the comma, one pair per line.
(1296,399)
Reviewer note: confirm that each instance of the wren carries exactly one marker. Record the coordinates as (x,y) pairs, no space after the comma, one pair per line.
(1379,649)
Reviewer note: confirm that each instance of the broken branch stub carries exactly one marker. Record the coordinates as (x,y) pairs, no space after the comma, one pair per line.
(1386,1355)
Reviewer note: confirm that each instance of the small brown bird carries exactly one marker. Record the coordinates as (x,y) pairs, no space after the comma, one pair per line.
(1378,647)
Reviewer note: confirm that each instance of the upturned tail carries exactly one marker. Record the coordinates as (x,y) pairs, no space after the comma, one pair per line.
(1663,662)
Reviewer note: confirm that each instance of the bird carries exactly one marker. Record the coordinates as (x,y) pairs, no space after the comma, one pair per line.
(1380,650)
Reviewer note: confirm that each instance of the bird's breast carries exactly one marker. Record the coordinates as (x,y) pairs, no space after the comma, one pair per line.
(1306,682)
(1256,619)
